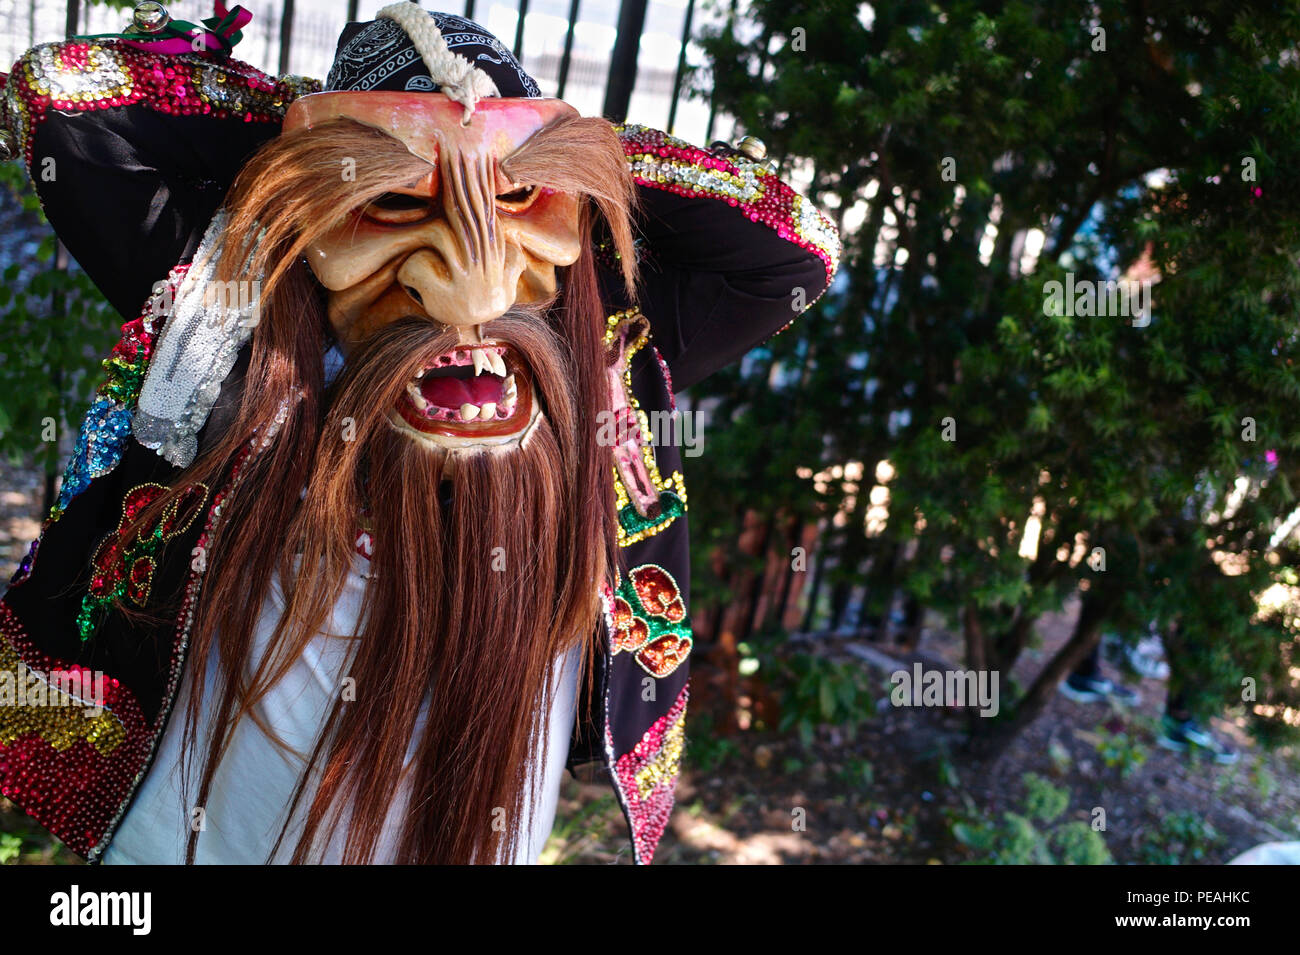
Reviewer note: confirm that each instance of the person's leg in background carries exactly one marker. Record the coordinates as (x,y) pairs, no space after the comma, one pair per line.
(1180,730)
(1087,685)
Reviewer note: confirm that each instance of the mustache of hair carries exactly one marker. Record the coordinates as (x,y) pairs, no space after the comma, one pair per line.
(376,373)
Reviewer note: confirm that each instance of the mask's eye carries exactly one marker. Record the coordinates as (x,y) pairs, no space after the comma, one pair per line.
(516,200)
(395,208)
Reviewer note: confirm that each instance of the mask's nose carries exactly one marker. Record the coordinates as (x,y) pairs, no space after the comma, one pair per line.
(466,273)
(454,293)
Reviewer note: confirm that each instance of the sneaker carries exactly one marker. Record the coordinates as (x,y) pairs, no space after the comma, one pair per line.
(1144,658)
(1182,736)
(1095,689)
(1148,659)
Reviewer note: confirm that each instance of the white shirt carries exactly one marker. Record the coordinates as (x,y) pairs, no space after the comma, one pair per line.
(254,783)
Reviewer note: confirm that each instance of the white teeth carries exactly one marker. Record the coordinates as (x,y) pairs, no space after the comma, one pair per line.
(417,399)
(481,362)
(489,410)
(510,389)
(498,364)
(509,404)
(468,412)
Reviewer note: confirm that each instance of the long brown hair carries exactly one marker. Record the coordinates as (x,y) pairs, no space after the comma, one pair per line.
(438,623)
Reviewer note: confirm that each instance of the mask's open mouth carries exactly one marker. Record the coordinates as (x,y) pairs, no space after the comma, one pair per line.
(470,394)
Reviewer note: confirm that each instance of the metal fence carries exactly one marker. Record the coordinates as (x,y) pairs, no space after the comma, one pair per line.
(625,59)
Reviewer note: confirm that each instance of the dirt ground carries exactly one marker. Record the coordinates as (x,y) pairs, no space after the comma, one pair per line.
(889,794)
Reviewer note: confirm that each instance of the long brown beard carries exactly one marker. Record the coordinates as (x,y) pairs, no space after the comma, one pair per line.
(469,607)
(438,622)
(469,604)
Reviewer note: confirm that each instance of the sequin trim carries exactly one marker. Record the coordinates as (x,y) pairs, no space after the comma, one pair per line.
(195,351)
(82,75)
(127,363)
(632,525)
(100,443)
(650,621)
(123,569)
(102,436)
(665,162)
(69,778)
(646,778)
(35,702)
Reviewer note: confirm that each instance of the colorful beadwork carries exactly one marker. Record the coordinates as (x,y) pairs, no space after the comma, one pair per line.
(127,363)
(646,777)
(99,446)
(80,75)
(608,256)
(650,621)
(665,162)
(123,569)
(69,778)
(632,525)
(32,703)
(102,438)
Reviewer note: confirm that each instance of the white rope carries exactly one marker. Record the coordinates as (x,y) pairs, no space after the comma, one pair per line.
(460,79)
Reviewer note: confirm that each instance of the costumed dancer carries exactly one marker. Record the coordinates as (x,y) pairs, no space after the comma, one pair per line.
(363,536)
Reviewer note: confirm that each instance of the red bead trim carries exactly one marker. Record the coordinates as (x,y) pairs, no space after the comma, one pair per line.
(661,161)
(84,75)
(72,792)
(646,778)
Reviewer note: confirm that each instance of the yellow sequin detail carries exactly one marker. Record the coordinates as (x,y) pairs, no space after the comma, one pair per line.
(664,765)
(676,482)
(54,715)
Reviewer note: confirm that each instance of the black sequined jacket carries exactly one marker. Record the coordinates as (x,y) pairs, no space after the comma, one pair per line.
(145,147)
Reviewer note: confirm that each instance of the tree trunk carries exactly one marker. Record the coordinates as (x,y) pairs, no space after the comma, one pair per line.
(1087,633)
(976,656)
(814,590)
(793,538)
(913,615)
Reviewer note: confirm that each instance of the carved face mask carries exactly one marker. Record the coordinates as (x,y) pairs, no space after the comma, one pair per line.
(461,246)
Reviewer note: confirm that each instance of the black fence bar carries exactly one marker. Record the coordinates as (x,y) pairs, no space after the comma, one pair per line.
(286,35)
(352,11)
(622,65)
(469,9)
(681,66)
(519,31)
(713,100)
(568,47)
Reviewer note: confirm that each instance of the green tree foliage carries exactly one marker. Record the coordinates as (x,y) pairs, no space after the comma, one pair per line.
(55,330)
(1149,138)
